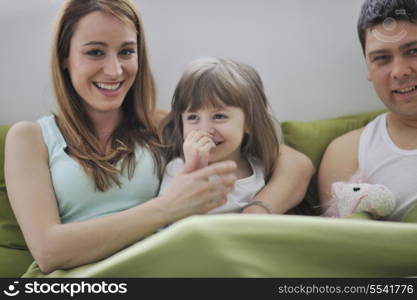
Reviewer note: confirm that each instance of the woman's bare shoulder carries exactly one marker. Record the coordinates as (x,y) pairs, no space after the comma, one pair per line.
(25,134)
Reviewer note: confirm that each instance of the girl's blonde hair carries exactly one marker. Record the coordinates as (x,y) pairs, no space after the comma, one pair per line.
(216,82)
(138,106)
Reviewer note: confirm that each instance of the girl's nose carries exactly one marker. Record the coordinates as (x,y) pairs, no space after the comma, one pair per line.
(207,127)
(211,131)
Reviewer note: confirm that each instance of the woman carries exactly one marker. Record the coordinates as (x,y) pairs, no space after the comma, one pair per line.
(79,182)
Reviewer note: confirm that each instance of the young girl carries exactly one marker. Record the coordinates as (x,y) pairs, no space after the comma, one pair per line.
(219,112)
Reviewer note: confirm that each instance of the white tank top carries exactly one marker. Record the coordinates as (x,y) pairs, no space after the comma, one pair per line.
(381,161)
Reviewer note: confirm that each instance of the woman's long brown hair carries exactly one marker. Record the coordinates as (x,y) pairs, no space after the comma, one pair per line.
(136,126)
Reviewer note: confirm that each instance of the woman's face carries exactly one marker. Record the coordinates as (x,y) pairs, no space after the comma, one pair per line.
(102,61)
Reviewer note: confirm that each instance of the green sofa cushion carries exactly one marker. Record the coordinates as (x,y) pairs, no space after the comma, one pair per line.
(14,262)
(312,138)
(10,234)
(14,256)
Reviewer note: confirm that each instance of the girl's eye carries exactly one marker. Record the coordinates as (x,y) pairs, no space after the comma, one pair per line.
(95,52)
(127,52)
(219,116)
(192,117)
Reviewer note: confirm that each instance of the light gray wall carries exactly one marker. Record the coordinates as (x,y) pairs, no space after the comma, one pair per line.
(306,51)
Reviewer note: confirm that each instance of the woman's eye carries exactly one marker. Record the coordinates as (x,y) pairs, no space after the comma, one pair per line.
(219,116)
(95,52)
(126,52)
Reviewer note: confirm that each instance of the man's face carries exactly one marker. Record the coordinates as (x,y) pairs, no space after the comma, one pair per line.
(391,57)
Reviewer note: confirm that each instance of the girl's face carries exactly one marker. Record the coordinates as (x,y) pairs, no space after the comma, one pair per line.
(102,61)
(225,126)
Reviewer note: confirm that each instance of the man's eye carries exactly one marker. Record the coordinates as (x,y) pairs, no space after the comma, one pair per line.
(220,116)
(128,51)
(95,52)
(381,58)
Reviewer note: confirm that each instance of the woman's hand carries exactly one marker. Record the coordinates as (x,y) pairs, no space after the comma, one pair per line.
(198,191)
(198,143)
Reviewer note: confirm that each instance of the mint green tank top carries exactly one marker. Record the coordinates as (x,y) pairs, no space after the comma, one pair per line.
(74,190)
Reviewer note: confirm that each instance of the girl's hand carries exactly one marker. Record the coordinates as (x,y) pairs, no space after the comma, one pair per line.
(198,143)
(196,191)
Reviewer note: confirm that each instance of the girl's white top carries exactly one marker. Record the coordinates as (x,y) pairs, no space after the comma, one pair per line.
(245,188)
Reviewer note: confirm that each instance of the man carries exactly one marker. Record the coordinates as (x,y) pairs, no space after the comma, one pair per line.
(385,151)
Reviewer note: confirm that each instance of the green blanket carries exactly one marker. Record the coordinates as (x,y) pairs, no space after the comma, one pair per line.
(263,246)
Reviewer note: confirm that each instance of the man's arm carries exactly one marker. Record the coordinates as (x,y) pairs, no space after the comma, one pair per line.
(288,184)
(339,163)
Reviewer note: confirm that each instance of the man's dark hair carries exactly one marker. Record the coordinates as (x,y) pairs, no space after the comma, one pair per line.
(375,12)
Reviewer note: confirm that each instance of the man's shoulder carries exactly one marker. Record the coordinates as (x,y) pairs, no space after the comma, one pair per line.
(344,150)
(347,141)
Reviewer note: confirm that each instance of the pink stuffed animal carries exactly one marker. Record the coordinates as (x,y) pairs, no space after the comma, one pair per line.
(349,198)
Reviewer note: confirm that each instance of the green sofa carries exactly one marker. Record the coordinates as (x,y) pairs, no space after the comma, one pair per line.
(200,252)
(14,256)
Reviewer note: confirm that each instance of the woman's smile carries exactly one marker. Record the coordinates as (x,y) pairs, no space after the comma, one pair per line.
(109,89)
